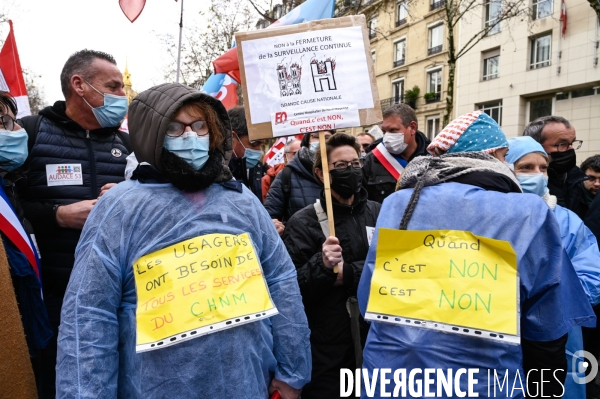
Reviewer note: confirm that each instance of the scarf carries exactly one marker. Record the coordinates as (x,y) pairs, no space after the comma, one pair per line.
(428,171)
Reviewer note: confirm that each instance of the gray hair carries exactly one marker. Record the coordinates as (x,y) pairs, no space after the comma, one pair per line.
(289,144)
(80,63)
(404,111)
(535,128)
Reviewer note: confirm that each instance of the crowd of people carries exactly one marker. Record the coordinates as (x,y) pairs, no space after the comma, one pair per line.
(84,202)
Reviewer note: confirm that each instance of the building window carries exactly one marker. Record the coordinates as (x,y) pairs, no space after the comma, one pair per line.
(539,108)
(491,64)
(494,110)
(436,37)
(542,8)
(277,11)
(540,51)
(399,53)
(562,96)
(435,4)
(398,91)
(493,8)
(434,86)
(582,92)
(401,13)
(433,126)
(373,57)
(372,25)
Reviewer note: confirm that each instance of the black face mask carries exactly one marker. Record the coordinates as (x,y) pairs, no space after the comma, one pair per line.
(562,162)
(346,182)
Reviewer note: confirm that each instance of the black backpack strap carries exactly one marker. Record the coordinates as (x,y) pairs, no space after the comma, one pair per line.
(31,124)
(125,139)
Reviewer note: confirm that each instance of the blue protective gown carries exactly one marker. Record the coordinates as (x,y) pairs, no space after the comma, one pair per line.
(552,301)
(96,343)
(582,247)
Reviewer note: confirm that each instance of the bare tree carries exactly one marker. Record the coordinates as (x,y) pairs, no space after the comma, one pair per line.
(35,93)
(203,45)
(454,10)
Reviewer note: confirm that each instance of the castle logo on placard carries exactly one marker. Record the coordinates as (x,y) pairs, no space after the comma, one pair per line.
(289,80)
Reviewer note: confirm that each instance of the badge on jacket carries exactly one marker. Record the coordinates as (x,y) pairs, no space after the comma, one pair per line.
(64,174)
(116,152)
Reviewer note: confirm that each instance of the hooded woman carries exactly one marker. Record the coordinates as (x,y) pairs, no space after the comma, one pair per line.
(467,188)
(531,168)
(182,202)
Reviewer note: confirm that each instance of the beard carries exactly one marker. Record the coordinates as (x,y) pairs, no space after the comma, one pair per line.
(184,177)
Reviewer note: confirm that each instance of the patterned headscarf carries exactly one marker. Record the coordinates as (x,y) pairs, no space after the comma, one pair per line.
(472,132)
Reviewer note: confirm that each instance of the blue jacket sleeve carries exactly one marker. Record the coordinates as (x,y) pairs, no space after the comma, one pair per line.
(88,359)
(275,202)
(291,336)
(582,248)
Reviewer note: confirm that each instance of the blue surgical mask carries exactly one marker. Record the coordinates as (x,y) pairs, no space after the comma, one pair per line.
(252,157)
(13,149)
(536,183)
(314,146)
(189,147)
(113,111)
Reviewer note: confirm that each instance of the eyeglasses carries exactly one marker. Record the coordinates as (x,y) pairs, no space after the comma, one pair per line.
(291,152)
(593,179)
(576,144)
(176,129)
(8,122)
(343,165)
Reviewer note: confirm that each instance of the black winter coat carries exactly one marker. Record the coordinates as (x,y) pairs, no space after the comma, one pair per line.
(568,191)
(101,154)
(325,304)
(377,180)
(304,188)
(250,177)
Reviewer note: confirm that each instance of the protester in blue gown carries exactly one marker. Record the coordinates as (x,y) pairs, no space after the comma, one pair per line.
(467,187)
(185,191)
(531,168)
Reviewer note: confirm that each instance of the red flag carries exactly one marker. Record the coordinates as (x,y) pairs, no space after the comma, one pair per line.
(132,8)
(228,93)
(228,63)
(563,17)
(11,74)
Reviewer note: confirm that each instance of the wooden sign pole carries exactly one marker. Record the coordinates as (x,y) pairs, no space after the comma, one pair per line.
(327,183)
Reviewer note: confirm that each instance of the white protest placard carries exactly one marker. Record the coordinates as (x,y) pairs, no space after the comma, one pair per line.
(308,77)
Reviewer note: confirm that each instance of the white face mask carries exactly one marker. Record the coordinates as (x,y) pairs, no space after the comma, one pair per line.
(394,143)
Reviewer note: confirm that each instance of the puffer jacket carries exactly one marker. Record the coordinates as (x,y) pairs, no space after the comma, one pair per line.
(61,141)
(377,180)
(325,304)
(304,188)
(251,177)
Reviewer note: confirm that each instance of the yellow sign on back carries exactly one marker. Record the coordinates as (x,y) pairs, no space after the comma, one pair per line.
(197,287)
(449,280)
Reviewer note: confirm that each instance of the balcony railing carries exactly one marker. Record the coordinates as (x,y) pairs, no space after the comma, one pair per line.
(400,22)
(398,63)
(434,50)
(435,98)
(391,101)
(437,4)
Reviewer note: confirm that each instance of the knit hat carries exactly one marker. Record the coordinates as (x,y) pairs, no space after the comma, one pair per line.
(472,132)
(520,146)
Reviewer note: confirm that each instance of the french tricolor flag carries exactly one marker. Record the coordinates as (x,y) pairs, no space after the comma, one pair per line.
(13,230)
(11,74)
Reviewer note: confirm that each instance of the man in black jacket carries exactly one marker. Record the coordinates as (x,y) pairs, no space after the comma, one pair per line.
(388,156)
(558,137)
(76,154)
(325,289)
(245,164)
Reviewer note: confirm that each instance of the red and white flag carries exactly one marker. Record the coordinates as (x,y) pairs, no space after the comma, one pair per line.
(275,154)
(563,17)
(11,74)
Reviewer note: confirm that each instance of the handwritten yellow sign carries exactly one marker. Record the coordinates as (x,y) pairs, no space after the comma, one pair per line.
(448,280)
(196,287)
